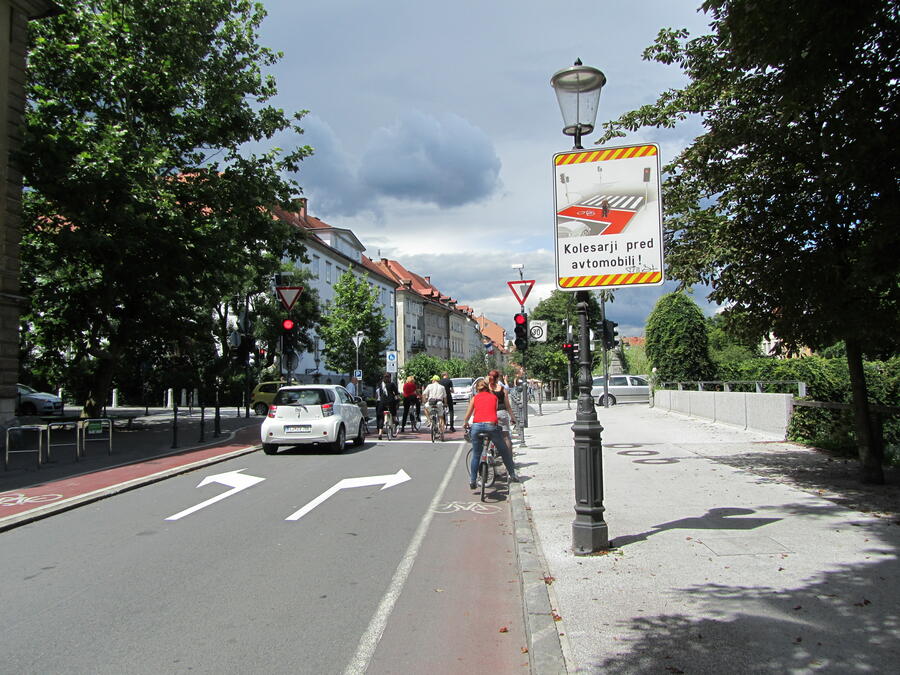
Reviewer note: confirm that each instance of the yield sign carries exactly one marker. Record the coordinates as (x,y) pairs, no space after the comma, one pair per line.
(288,295)
(521,289)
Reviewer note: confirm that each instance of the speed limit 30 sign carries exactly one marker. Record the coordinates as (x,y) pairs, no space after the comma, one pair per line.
(537,330)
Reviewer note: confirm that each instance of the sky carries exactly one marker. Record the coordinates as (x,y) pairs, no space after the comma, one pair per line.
(434,126)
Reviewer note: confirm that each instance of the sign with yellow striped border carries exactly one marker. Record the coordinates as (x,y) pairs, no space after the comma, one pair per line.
(608,210)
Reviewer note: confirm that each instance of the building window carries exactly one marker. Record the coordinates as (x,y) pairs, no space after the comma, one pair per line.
(315,266)
(327,272)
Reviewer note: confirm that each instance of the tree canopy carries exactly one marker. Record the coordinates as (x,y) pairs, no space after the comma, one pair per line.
(144,208)
(786,204)
(677,342)
(355,308)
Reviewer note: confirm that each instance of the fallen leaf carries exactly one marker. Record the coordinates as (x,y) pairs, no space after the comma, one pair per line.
(504,629)
(798,607)
(556,617)
(798,639)
(524,650)
(548,579)
(863,603)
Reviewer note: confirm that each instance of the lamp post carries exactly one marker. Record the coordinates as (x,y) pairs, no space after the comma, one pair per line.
(578,92)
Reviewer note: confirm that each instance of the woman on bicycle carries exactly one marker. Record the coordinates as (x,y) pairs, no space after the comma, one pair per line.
(504,407)
(483,411)
(385,399)
(410,400)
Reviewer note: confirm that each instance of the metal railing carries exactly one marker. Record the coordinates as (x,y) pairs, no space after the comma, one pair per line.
(756,386)
(94,427)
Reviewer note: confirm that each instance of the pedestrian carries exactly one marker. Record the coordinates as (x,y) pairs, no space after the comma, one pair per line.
(352,386)
(385,400)
(447,383)
(483,411)
(410,399)
(604,206)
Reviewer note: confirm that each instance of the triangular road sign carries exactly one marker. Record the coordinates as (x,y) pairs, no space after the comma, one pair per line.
(521,289)
(288,295)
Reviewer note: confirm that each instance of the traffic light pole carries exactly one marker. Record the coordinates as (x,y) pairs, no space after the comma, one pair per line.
(589,531)
(604,341)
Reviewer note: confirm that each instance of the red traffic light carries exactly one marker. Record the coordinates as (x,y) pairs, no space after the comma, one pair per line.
(287,324)
(520,319)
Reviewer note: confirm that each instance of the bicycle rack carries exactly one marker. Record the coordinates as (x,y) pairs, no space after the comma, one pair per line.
(39,450)
(93,427)
(62,425)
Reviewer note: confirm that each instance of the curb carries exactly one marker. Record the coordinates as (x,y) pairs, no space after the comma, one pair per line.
(102,493)
(544,648)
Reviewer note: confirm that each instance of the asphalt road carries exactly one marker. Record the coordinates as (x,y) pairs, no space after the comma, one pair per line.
(417,576)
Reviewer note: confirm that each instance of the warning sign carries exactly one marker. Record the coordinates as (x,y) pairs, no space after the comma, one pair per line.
(608,218)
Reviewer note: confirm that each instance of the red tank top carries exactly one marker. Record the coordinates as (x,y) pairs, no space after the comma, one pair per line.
(485,409)
(409,388)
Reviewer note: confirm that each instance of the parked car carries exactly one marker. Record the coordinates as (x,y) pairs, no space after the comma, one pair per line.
(262,395)
(33,402)
(312,414)
(462,388)
(622,389)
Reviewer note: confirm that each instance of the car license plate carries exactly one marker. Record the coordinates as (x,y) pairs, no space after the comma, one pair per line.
(297,429)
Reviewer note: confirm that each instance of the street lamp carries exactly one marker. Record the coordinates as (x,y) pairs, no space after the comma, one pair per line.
(578,92)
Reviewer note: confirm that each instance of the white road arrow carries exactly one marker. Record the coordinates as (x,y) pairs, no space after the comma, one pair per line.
(235,479)
(389,481)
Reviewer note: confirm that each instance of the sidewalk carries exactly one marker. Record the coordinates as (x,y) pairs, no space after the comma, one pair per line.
(141,454)
(717,564)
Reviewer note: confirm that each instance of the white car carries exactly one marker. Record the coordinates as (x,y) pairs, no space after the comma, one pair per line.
(33,402)
(312,414)
(622,389)
(462,388)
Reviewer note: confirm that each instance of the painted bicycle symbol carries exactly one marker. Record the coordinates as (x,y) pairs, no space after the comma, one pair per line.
(585,213)
(19,498)
(473,507)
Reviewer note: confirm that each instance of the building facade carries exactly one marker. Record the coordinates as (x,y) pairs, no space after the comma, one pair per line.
(14,18)
(332,251)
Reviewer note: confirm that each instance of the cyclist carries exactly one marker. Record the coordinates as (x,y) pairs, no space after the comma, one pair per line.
(483,411)
(410,400)
(435,396)
(385,399)
(504,407)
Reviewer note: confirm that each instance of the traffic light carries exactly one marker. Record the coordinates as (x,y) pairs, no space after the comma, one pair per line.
(575,352)
(287,336)
(610,335)
(521,321)
(568,349)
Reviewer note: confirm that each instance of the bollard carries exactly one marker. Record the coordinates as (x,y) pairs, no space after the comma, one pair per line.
(175,426)
(202,411)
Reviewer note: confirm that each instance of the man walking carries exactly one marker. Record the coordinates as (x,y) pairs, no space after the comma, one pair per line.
(447,384)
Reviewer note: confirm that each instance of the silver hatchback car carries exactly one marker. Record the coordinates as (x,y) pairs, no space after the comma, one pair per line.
(622,389)
(312,414)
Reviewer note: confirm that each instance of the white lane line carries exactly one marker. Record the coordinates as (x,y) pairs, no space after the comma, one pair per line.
(369,640)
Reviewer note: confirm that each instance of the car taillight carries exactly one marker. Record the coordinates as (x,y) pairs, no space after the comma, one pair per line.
(327,409)
(272,410)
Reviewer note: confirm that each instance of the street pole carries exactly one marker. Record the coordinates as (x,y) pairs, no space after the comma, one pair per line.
(589,531)
(568,369)
(605,352)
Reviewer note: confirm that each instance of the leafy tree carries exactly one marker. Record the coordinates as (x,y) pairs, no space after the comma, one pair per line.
(355,308)
(724,347)
(786,205)
(142,208)
(677,343)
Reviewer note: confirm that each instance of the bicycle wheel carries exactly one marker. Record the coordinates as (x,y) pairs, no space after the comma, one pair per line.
(483,470)
(413,423)
(389,427)
(433,431)
(491,472)
(442,435)
(468,465)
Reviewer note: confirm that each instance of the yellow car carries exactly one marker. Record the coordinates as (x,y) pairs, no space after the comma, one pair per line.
(262,396)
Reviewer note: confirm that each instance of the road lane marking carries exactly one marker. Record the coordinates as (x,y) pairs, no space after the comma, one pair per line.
(236,480)
(369,640)
(387,481)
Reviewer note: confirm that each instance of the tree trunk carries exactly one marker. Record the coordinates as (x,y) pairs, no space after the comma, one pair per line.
(870,453)
(99,393)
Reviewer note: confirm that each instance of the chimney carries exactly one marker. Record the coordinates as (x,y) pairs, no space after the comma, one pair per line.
(428,280)
(301,207)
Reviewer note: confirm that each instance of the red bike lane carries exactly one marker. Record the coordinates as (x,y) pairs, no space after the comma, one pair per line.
(22,505)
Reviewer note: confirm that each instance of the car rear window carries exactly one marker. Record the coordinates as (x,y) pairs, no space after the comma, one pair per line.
(461,381)
(303,397)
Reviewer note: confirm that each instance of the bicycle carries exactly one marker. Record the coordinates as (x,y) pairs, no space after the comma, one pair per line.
(434,417)
(487,473)
(390,424)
